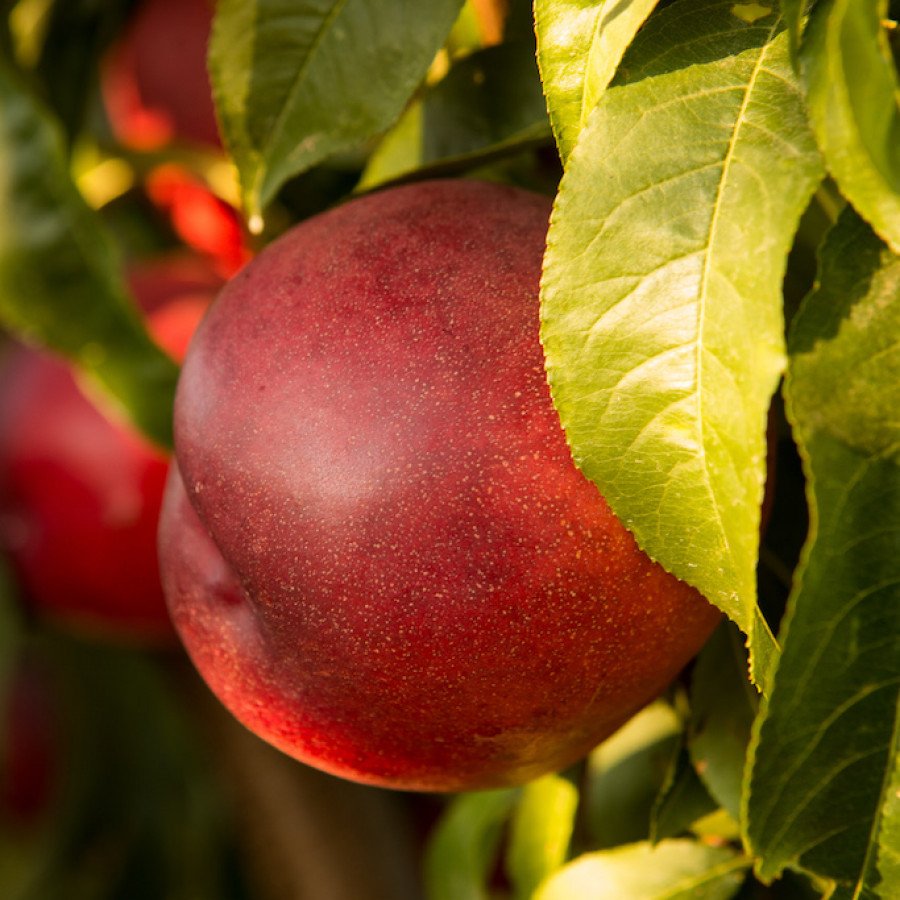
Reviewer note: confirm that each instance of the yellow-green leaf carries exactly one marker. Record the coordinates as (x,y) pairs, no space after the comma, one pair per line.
(580,45)
(661,296)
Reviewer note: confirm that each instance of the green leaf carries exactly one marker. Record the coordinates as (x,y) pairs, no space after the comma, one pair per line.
(463,847)
(489,103)
(682,800)
(60,282)
(843,389)
(824,756)
(792,13)
(883,861)
(625,774)
(580,45)
(661,295)
(542,826)
(723,707)
(854,106)
(294,85)
(672,870)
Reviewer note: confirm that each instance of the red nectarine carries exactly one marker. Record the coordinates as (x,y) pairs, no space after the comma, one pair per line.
(386,562)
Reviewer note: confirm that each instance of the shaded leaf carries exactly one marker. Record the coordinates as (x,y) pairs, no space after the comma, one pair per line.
(580,45)
(825,754)
(542,826)
(854,105)
(849,364)
(294,85)
(682,800)
(792,12)
(625,774)
(60,282)
(672,870)
(489,103)
(723,707)
(661,295)
(462,849)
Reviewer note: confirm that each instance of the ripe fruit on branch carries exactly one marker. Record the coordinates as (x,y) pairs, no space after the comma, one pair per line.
(155,85)
(382,558)
(80,492)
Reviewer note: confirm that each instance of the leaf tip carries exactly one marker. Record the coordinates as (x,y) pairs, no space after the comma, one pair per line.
(255,223)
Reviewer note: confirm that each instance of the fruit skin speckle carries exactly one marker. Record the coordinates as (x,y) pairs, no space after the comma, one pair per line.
(386,563)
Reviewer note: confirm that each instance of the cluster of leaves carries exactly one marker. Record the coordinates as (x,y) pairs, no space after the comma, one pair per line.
(727,221)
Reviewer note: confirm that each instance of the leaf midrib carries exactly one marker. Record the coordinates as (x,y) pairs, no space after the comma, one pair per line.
(703,292)
(336,10)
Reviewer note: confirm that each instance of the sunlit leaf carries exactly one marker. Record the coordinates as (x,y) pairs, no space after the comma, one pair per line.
(60,282)
(854,105)
(294,84)
(661,296)
(580,45)
(825,756)
(672,870)
(883,861)
(541,829)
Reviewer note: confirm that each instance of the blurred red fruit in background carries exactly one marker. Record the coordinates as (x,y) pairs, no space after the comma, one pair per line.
(200,218)
(155,85)
(80,492)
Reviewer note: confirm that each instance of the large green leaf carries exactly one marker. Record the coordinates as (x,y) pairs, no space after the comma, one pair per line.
(661,295)
(540,832)
(580,45)
(489,103)
(854,105)
(672,870)
(60,282)
(824,759)
(463,847)
(294,84)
